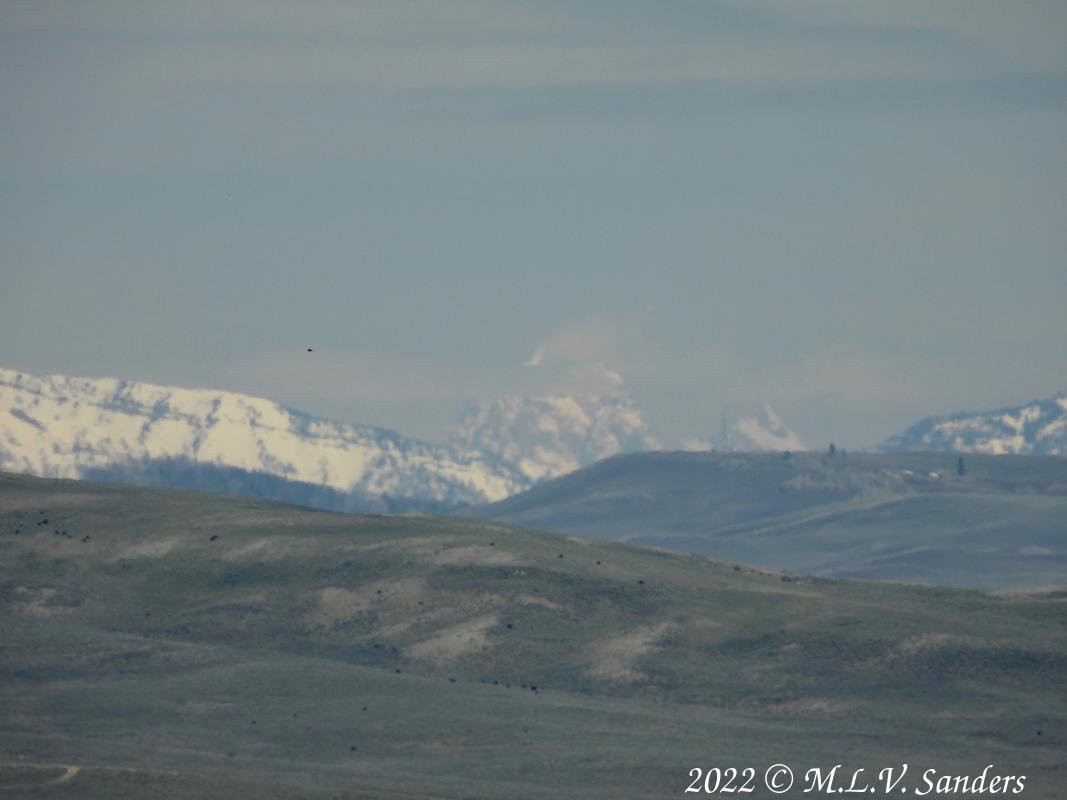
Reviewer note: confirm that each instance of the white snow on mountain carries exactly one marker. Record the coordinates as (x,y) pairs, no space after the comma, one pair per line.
(59,426)
(550,435)
(1038,428)
(761,431)
(108,429)
(695,445)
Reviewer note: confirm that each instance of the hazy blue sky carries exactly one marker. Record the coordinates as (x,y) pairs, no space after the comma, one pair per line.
(854,211)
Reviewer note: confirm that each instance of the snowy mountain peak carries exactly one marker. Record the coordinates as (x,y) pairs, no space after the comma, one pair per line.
(762,431)
(1037,428)
(551,435)
(59,426)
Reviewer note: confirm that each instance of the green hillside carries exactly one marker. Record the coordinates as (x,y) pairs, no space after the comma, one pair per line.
(166,644)
(899,517)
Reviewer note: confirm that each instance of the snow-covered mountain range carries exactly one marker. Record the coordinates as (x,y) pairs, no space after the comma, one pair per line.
(551,435)
(58,426)
(1038,428)
(133,432)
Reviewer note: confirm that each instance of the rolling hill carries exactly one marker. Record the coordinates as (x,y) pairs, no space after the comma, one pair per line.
(900,517)
(171,644)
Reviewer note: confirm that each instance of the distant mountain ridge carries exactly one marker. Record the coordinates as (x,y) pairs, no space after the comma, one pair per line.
(1036,428)
(58,426)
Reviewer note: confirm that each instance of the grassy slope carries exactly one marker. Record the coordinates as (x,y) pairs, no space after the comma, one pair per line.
(157,662)
(871,516)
